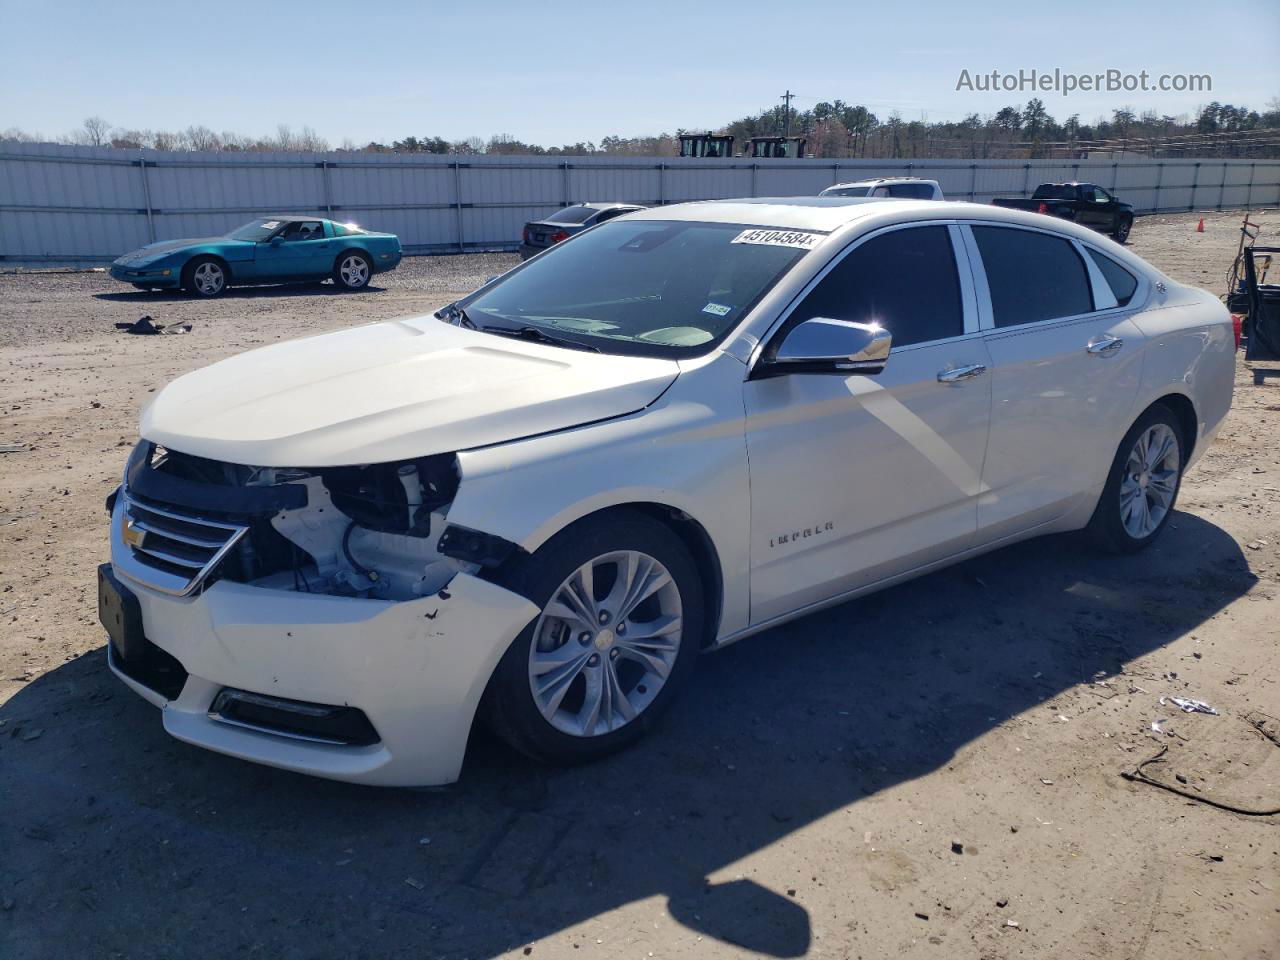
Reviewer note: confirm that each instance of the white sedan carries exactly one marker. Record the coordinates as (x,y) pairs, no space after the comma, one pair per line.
(681,427)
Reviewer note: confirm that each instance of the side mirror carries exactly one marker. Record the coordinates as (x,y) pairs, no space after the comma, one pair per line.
(823,345)
(276,240)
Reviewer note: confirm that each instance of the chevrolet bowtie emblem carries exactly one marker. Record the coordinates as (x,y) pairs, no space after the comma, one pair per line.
(132,535)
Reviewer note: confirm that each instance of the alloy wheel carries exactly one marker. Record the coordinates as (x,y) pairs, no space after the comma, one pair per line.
(605,644)
(1150,481)
(354,271)
(209,278)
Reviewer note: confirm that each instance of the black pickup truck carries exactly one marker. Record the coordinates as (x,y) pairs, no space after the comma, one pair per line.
(1085,203)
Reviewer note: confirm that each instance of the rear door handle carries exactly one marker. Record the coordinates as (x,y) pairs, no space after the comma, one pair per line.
(960,374)
(1104,346)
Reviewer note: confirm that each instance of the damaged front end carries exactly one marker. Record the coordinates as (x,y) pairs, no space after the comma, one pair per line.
(327,621)
(374,531)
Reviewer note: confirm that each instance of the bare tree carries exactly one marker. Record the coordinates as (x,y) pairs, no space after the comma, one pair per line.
(96,131)
(202,139)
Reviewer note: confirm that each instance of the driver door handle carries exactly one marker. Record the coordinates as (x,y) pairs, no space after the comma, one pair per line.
(960,374)
(1104,346)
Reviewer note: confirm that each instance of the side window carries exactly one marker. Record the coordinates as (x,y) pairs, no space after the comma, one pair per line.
(1100,195)
(880,192)
(1032,276)
(304,230)
(1123,283)
(610,214)
(905,280)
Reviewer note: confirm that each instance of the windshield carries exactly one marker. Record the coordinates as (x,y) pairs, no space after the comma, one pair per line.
(256,230)
(846,191)
(655,288)
(571,215)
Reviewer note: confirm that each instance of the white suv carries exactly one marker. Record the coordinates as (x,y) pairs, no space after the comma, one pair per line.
(685,426)
(897,188)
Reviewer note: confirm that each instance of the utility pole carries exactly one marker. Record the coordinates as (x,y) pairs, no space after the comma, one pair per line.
(786,113)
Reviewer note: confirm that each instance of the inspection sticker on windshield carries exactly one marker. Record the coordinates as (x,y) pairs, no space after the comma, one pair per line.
(716,309)
(271,225)
(780,238)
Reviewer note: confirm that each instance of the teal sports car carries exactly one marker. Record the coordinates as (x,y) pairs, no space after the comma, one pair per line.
(287,249)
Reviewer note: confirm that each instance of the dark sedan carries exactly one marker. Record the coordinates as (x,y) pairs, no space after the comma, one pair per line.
(565,222)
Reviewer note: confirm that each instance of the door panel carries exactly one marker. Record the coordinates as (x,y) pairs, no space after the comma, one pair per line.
(293,257)
(1065,369)
(856,479)
(1058,412)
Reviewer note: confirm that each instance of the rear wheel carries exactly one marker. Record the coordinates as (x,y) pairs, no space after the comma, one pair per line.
(205,277)
(1121,232)
(621,620)
(1142,487)
(352,271)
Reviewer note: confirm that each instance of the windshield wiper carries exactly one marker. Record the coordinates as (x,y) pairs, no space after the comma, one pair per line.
(458,315)
(538,335)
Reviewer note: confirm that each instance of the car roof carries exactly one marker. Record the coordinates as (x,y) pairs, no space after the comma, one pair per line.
(287,217)
(829,214)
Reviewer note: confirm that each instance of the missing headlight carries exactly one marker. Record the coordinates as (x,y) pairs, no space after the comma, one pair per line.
(394,497)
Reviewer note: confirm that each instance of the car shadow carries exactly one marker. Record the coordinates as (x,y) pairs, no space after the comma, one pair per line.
(117,838)
(265,292)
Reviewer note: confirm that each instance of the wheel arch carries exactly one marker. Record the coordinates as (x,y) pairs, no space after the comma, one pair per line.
(185,274)
(692,534)
(353,248)
(1184,410)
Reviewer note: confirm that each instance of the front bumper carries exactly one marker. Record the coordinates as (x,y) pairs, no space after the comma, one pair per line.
(415,668)
(147,276)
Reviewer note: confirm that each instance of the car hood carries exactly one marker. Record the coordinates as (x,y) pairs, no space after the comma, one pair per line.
(153,250)
(392,391)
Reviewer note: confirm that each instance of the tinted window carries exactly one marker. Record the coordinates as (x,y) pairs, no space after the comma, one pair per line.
(905,280)
(571,215)
(845,192)
(912,191)
(1032,276)
(1055,191)
(1123,283)
(304,230)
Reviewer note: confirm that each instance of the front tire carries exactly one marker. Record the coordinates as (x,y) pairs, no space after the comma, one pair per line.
(1143,484)
(205,277)
(1121,232)
(352,270)
(622,618)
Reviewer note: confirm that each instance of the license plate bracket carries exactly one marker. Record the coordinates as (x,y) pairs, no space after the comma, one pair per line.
(121,615)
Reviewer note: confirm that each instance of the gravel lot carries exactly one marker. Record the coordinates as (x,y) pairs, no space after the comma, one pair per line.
(932,771)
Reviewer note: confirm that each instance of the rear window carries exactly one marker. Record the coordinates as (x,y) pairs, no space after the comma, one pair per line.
(571,215)
(1053,191)
(912,191)
(1032,276)
(1122,283)
(347,230)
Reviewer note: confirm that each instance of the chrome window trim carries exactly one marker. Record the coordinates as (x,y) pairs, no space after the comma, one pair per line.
(964,277)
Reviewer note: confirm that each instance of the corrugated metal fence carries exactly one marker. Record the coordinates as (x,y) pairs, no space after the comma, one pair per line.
(66,204)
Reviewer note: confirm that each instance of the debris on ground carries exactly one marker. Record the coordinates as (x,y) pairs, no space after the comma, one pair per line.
(1187,705)
(957,846)
(146,326)
(12,447)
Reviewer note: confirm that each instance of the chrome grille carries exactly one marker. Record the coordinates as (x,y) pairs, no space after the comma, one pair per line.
(172,549)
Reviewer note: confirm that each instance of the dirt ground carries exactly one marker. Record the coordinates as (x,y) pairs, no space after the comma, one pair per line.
(933,771)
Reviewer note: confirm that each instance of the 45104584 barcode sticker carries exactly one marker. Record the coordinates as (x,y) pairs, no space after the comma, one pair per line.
(780,238)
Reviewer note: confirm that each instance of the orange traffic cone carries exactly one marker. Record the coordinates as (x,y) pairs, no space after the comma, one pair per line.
(1200,226)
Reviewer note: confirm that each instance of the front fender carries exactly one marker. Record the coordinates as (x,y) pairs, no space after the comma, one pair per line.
(687,451)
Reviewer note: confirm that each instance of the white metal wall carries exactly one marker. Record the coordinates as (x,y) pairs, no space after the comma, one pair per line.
(62,203)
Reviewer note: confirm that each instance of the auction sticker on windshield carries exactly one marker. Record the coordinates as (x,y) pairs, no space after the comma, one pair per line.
(780,238)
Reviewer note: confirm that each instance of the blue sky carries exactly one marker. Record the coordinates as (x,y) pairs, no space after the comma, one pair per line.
(554,72)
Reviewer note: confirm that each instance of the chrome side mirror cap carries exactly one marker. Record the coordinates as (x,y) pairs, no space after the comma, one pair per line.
(824,345)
